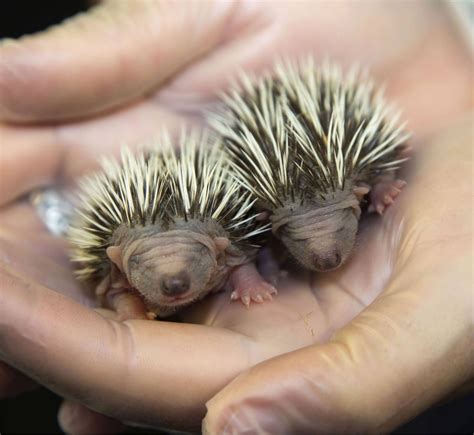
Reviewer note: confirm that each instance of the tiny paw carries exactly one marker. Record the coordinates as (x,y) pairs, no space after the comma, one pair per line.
(258,293)
(384,194)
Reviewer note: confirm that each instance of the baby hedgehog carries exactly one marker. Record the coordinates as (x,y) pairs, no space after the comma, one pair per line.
(309,143)
(161,230)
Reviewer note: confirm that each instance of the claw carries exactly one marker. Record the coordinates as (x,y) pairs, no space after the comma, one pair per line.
(268,297)
(394,191)
(249,286)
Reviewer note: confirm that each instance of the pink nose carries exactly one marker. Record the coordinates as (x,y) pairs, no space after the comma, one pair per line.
(175,285)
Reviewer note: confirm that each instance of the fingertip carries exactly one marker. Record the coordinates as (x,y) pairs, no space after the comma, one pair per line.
(51,75)
(102,59)
(74,418)
(30,158)
(215,417)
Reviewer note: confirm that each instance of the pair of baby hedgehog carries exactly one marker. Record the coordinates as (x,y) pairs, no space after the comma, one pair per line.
(297,151)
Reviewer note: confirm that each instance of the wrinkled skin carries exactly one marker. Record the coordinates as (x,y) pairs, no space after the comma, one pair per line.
(157,272)
(319,235)
(167,270)
(320,232)
(360,349)
(171,274)
(327,252)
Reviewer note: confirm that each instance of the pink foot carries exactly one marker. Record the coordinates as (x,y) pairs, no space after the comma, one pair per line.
(383,194)
(250,286)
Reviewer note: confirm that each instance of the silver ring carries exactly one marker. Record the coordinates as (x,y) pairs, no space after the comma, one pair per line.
(54,209)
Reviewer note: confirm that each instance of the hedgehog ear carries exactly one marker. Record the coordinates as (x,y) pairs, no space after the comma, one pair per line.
(361,191)
(263,216)
(115,255)
(221,243)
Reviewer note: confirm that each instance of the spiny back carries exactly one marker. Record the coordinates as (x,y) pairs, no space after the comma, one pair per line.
(301,131)
(203,186)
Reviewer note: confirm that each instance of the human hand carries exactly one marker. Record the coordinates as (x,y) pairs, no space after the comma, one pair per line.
(110,113)
(408,348)
(380,339)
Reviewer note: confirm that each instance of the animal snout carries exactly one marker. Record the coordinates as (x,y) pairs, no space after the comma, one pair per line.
(328,262)
(175,285)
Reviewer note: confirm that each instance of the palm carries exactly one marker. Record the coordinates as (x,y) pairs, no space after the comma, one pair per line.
(309,308)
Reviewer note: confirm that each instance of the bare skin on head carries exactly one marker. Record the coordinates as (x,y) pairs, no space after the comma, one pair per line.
(321,234)
(163,271)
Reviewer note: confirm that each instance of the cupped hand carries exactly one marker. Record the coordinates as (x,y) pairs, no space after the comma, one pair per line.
(61,110)
(359,349)
(410,342)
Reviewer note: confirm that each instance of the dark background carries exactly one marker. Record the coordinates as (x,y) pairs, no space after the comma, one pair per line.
(35,412)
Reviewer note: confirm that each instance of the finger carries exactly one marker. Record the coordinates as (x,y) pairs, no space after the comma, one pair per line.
(12,382)
(405,352)
(156,373)
(26,246)
(104,57)
(75,418)
(397,358)
(27,160)
(37,156)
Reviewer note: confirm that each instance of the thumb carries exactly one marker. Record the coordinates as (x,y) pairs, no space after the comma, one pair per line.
(403,354)
(410,348)
(104,57)
(75,418)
